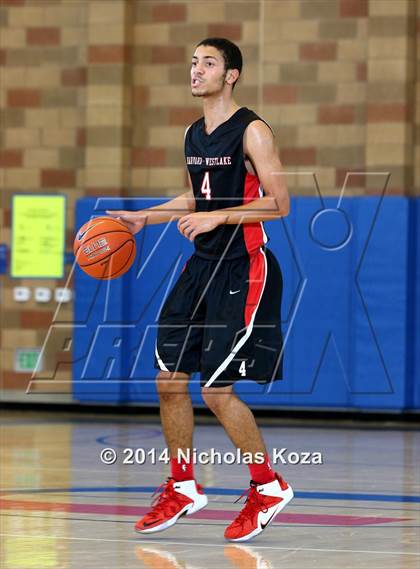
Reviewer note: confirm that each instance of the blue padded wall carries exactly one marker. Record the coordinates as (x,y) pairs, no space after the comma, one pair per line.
(413,307)
(347,312)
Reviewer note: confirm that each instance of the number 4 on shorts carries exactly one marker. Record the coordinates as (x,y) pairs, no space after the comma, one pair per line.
(242,369)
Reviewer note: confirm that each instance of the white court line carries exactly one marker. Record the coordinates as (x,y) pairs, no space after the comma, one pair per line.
(160,541)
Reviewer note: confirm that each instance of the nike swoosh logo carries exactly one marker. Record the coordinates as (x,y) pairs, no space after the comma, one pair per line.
(263,526)
(234,291)
(81,235)
(147,524)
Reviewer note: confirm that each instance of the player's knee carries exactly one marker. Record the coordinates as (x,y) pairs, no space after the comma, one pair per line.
(171,386)
(216,398)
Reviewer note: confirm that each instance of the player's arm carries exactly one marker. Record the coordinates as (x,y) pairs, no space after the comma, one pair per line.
(260,148)
(163,213)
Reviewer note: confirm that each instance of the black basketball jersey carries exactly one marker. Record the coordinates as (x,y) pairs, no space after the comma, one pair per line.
(216,164)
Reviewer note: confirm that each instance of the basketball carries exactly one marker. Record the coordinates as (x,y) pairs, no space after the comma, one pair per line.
(104,248)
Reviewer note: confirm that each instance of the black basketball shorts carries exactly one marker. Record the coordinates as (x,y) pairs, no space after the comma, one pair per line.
(222,319)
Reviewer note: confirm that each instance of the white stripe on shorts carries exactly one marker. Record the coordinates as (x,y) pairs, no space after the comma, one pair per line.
(244,338)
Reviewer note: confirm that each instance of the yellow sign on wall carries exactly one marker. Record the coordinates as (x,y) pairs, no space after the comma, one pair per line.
(38,236)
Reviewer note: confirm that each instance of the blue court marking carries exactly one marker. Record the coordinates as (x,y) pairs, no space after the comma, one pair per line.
(406,427)
(232,492)
(6,421)
(145,434)
(229,501)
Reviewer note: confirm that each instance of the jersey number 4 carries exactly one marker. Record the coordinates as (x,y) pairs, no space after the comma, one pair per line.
(205,186)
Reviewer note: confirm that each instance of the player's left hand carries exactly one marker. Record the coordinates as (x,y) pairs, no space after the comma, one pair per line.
(193,224)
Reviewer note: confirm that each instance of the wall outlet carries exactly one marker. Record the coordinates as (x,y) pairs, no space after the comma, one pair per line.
(63,295)
(43,294)
(21,294)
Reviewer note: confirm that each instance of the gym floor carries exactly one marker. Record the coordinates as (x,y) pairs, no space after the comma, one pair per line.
(61,507)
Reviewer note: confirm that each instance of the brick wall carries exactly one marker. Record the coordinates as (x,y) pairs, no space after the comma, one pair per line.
(43,53)
(95,99)
(335,78)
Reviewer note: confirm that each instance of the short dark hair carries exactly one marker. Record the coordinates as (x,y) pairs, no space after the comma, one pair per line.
(231,53)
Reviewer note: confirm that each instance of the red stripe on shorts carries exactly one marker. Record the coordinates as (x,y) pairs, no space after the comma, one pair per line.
(257,278)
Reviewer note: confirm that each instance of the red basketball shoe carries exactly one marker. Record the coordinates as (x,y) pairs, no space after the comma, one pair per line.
(176,499)
(263,503)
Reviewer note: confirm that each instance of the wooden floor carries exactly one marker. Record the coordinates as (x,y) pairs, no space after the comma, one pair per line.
(62,508)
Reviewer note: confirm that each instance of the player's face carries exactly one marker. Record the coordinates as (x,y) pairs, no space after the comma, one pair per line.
(207,71)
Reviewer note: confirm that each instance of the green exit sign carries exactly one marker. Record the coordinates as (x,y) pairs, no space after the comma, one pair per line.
(26,359)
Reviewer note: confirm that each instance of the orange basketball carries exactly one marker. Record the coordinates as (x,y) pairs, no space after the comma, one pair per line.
(104,248)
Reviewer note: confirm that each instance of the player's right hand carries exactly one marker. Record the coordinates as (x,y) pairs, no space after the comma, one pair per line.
(134,220)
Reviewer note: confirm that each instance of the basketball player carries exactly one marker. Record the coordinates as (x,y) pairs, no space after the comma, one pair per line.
(222,318)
